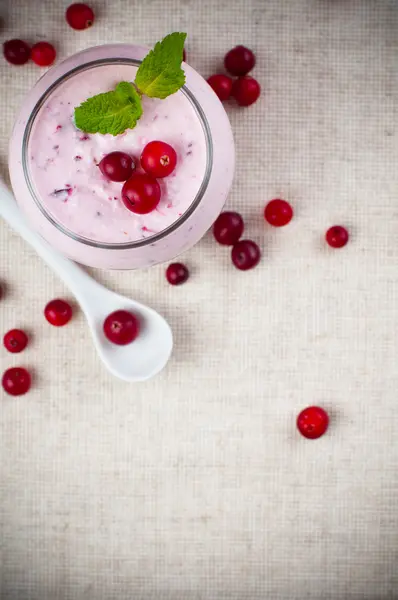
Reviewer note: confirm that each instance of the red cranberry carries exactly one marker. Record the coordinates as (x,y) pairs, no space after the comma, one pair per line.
(16,381)
(158,159)
(121,327)
(58,312)
(278,212)
(15,340)
(246,91)
(141,193)
(177,273)
(221,85)
(228,228)
(16,52)
(79,16)
(312,422)
(184,55)
(43,54)
(239,61)
(337,236)
(245,255)
(117,166)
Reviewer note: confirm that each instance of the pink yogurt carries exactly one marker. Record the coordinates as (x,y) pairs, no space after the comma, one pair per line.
(63,160)
(59,187)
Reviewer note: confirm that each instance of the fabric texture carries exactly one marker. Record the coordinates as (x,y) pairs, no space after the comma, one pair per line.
(196,485)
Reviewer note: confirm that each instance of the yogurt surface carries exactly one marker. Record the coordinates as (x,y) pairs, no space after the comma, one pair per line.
(63,161)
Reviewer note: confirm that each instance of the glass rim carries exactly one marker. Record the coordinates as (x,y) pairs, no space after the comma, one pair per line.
(111,245)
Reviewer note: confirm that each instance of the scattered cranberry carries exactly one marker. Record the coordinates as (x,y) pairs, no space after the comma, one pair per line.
(245,255)
(158,159)
(141,193)
(117,166)
(278,212)
(246,91)
(43,54)
(58,312)
(15,340)
(312,422)
(221,85)
(79,16)
(16,52)
(239,61)
(177,273)
(16,381)
(337,236)
(121,327)
(228,228)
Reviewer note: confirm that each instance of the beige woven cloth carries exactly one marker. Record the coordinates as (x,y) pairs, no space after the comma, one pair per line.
(195,485)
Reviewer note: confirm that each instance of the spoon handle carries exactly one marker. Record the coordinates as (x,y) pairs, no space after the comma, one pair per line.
(77,280)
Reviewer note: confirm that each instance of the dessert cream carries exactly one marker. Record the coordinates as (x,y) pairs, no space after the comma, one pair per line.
(63,161)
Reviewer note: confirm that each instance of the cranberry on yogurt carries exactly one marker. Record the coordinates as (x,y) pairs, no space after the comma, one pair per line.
(117,166)
(158,159)
(141,193)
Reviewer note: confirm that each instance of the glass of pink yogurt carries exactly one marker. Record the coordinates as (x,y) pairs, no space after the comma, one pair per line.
(60,188)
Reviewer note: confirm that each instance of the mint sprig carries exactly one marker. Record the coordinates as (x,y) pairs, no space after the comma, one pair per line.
(158,76)
(160,73)
(112,112)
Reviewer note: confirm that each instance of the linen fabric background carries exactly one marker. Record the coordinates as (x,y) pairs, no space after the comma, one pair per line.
(196,485)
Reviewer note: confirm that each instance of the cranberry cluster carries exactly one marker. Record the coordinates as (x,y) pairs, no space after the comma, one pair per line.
(245,89)
(17,380)
(141,192)
(18,52)
(121,327)
(245,254)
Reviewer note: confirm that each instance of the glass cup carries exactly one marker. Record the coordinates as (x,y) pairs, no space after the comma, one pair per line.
(200,210)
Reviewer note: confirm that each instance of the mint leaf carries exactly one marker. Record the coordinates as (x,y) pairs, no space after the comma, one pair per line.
(160,73)
(111,112)
(158,76)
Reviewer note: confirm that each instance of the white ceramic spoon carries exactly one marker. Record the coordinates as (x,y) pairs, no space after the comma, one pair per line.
(141,359)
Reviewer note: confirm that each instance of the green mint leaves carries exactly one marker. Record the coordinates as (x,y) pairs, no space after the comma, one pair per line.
(112,112)
(160,73)
(158,76)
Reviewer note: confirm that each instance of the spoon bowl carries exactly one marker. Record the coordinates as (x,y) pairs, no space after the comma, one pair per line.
(138,361)
(147,354)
